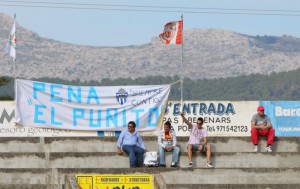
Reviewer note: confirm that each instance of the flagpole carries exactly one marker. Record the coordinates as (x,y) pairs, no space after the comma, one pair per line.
(14,59)
(181,76)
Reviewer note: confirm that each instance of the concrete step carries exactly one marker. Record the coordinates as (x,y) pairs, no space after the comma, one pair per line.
(233,176)
(226,176)
(20,144)
(26,176)
(108,144)
(241,160)
(220,160)
(22,160)
(233,186)
(112,160)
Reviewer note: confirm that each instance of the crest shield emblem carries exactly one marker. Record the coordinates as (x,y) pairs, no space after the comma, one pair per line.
(121,96)
(169,31)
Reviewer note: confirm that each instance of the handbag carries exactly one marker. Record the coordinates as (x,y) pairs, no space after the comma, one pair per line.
(151,159)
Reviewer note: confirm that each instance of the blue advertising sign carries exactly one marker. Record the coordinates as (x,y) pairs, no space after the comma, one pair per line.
(284,115)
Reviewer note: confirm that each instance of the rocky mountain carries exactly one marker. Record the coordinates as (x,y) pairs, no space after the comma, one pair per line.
(208,53)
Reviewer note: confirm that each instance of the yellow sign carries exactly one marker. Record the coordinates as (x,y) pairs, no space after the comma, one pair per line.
(103,181)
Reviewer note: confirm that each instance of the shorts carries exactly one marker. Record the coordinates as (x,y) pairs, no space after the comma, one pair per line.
(195,148)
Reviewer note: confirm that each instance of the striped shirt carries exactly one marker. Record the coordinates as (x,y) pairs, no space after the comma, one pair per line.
(167,140)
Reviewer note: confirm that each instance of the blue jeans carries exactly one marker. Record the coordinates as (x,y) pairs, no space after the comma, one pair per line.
(162,155)
(136,155)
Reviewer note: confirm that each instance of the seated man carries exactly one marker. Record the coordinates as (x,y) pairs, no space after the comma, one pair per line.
(198,140)
(262,126)
(167,143)
(130,141)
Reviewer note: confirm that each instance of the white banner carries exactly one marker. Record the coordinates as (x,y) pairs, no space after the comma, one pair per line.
(9,129)
(221,118)
(48,105)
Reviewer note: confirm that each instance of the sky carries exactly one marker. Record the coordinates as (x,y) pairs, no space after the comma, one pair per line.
(136,22)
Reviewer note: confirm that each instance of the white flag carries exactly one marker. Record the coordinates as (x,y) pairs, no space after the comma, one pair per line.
(12,43)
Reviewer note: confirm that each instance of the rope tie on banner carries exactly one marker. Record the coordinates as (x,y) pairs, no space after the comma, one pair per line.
(181,95)
(181,85)
(181,89)
(176,82)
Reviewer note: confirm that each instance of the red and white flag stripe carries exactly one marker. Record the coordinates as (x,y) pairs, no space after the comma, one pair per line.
(172,33)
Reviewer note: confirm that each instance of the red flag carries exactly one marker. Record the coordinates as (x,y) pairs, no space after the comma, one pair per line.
(172,33)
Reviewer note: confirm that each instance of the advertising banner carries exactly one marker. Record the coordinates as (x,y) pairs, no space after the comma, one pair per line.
(221,118)
(233,118)
(48,105)
(284,115)
(9,129)
(99,181)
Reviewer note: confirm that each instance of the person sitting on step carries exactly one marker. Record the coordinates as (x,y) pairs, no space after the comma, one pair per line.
(262,126)
(167,143)
(130,141)
(197,140)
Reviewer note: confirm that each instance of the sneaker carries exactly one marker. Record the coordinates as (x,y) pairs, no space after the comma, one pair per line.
(162,165)
(190,165)
(268,149)
(209,165)
(173,164)
(255,148)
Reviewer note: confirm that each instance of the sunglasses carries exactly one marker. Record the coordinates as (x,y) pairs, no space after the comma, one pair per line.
(199,123)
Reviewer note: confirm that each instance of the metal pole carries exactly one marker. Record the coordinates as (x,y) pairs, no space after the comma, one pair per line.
(181,77)
(14,59)
(16,50)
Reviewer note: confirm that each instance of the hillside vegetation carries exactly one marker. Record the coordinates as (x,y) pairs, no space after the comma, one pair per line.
(276,86)
(6,91)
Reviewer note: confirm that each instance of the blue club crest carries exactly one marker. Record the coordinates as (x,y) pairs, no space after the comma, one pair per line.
(121,96)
